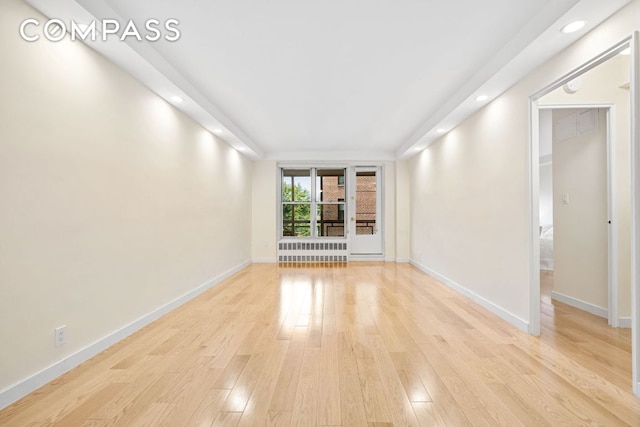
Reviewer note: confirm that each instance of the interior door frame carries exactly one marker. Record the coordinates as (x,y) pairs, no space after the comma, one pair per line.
(534,181)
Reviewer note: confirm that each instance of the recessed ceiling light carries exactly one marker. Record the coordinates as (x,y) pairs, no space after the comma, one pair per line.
(481,98)
(627,51)
(441,130)
(217,131)
(177,99)
(417,148)
(573,27)
(240,148)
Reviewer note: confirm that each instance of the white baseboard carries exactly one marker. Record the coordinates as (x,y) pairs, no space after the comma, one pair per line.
(366,258)
(624,322)
(582,305)
(264,260)
(397,260)
(499,311)
(17,391)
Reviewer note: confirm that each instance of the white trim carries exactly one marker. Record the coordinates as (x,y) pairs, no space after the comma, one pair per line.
(624,322)
(22,388)
(635,211)
(579,106)
(303,164)
(498,311)
(546,160)
(534,217)
(356,156)
(582,305)
(264,260)
(612,212)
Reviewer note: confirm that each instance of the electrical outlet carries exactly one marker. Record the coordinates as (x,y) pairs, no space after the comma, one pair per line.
(60,335)
(265,243)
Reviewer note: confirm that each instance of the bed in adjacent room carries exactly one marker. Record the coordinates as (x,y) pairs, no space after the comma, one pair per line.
(546,247)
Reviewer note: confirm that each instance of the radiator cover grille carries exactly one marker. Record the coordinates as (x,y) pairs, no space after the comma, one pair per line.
(316,251)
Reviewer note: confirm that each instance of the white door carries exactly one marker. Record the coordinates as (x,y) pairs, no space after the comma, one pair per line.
(365,219)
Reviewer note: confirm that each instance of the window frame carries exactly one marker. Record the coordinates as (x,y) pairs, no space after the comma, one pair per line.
(314,203)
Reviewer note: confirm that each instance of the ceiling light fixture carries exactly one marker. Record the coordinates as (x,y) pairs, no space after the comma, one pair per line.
(573,27)
(176,99)
(481,98)
(441,130)
(240,148)
(217,131)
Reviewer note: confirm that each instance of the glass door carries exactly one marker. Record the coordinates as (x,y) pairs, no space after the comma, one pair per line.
(365,225)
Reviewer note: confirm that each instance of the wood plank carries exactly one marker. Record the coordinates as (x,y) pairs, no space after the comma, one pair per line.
(227,419)
(257,408)
(427,414)
(329,393)
(374,344)
(208,407)
(287,384)
(84,411)
(373,392)
(306,400)
(351,401)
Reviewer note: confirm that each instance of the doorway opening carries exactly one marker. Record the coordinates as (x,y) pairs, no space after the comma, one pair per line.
(616,276)
(579,215)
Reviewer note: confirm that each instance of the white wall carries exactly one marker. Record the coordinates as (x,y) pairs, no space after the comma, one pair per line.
(389,211)
(113,202)
(469,190)
(469,207)
(403,211)
(264,234)
(580,219)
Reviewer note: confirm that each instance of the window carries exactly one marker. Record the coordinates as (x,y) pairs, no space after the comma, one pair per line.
(296,202)
(313,202)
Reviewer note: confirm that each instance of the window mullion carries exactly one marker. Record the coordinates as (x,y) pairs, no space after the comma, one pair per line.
(314,210)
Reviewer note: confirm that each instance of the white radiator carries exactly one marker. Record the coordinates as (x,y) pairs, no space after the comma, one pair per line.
(315,251)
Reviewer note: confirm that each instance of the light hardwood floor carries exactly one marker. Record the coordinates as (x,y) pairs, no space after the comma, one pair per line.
(357,345)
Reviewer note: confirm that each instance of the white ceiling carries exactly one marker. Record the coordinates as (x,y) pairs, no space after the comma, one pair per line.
(356,79)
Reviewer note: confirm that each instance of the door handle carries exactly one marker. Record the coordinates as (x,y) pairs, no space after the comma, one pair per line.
(353,219)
